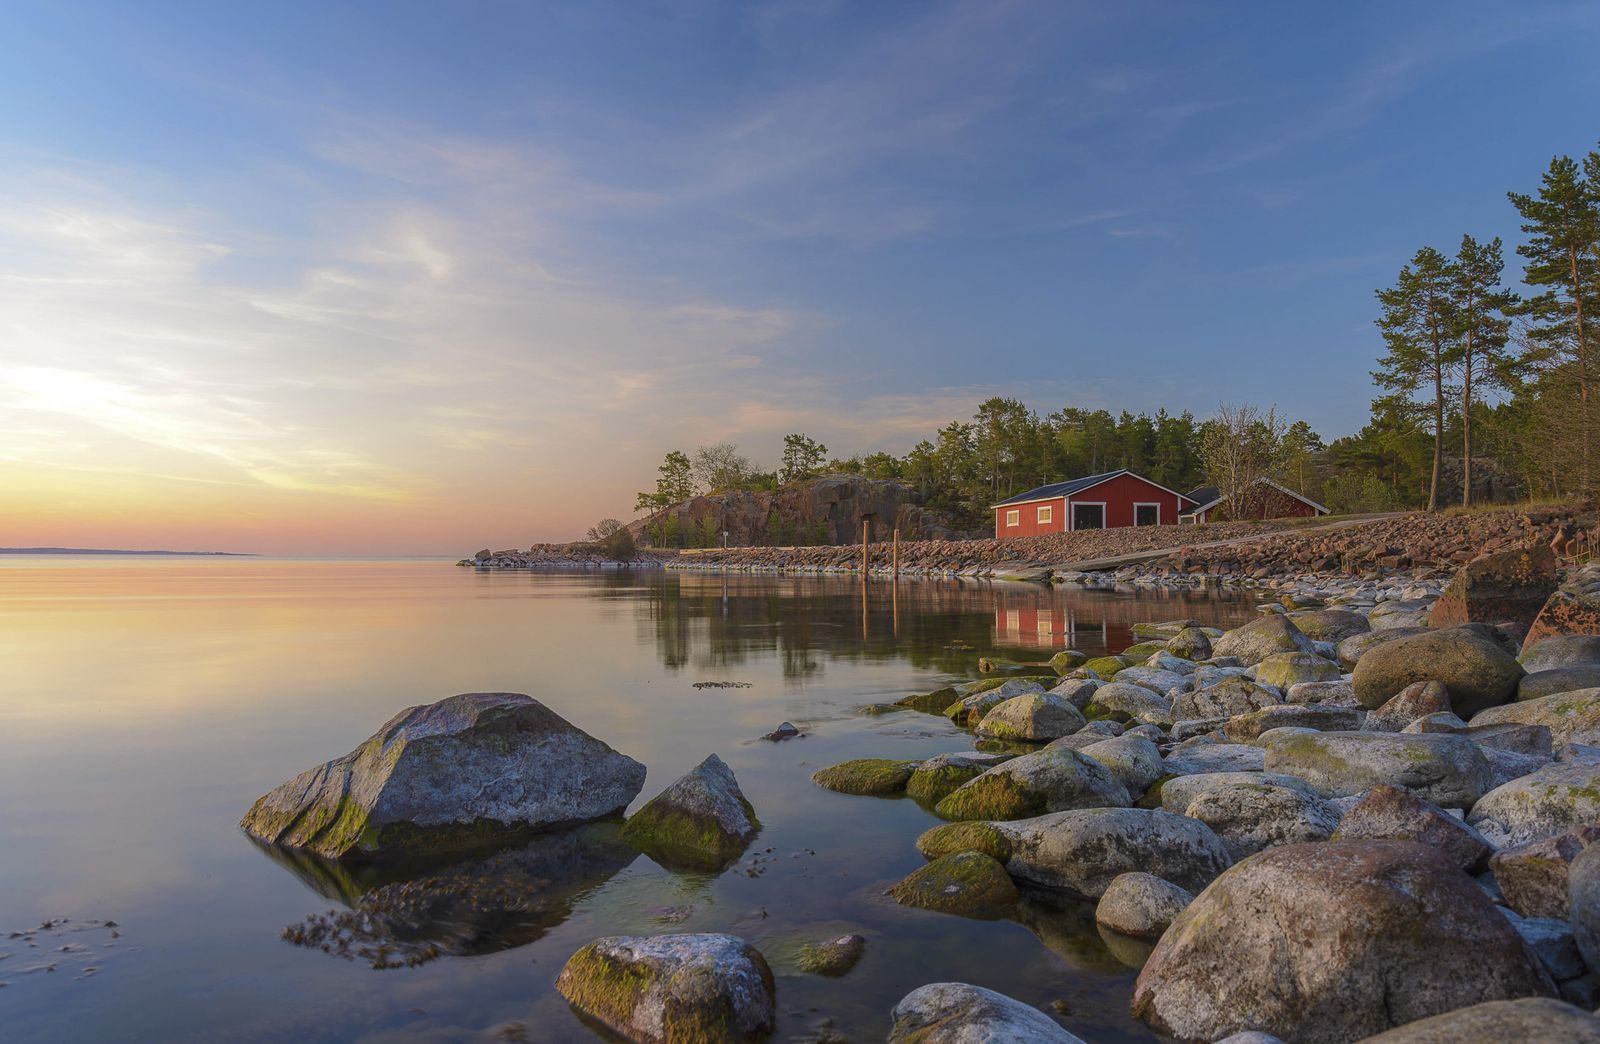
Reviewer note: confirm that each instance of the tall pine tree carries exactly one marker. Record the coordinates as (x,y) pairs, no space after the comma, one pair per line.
(1416,324)
(1481,328)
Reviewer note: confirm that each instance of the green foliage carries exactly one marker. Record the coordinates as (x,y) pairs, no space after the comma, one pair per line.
(1353,493)
(802,457)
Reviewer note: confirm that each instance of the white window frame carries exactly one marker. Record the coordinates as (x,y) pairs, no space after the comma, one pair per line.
(1013,517)
(1046,514)
(1137,504)
(1072,516)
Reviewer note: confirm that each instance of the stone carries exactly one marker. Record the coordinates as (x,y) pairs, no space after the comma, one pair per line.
(1350,650)
(667,988)
(1551,801)
(1225,699)
(1528,1020)
(1252,817)
(1505,765)
(1135,701)
(1261,638)
(1082,851)
(1286,669)
(1216,757)
(1141,905)
(1330,942)
(1566,650)
(1447,770)
(1558,680)
(1077,691)
(1191,643)
(1089,735)
(785,731)
(1477,672)
(935,778)
(1330,625)
(1248,727)
(1552,941)
(866,776)
(701,819)
(1340,693)
(1438,721)
(956,1013)
(965,837)
(1406,706)
(1155,679)
(832,957)
(472,769)
(1502,586)
(1105,667)
(1395,814)
(1177,793)
(1566,612)
(970,884)
(1514,736)
(969,710)
(1583,903)
(1133,760)
(1067,660)
(1048,780)
(1036,717)
(1533,875)
(930,702)
(1571,717)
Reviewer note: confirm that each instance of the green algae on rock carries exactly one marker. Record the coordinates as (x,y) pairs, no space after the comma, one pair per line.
(702,821)
(1048,780)
(937,777)
(965,837)
(866,776)
(968,883)
(466,772)
(833,957)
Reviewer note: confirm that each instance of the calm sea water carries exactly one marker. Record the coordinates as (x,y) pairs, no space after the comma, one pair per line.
(144,704)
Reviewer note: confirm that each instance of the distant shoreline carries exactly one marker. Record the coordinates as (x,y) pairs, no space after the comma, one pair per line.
(105,551)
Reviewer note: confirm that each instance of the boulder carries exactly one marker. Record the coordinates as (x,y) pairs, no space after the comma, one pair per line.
(866,776)
(1553,800)
(1514,736)
(969,710)
(1566,650)
(1133,760)
(1077,691)
(1141,905)
(1571,717)
(1583,902)
(1350,650)
(1036,717)
(1558,680)
(935,778)
(1135,701)
(1416,700)
(956,1013)
(1499,587)
(1498,1022)
(1225,699)
(1438,721)
(1331,942)
(1082,851)
(661,988)
(1048,780)
(1252,817)
(1447,770)
(1191,643)
(1215,757)
(1261,638)
(1286,669)
(1533,876)
(1330,625)
(831,957)
(1155,679)
(968,883)
(1477,672)
(1067,660)
(1341,693)
(1247,727)
(453,775)
(1394,814)
(965,837)
(702,819)
(1177,793)
(1568,611)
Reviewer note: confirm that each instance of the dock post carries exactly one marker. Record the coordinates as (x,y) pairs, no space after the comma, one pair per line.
(896,556)
(866,528)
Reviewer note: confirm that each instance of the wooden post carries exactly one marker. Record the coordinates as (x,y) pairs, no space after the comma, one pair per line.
(896,546)
(866,527)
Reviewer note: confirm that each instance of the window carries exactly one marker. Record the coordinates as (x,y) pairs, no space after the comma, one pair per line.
(1147,514)
(1014,518)
(1046,514)
(1088,516)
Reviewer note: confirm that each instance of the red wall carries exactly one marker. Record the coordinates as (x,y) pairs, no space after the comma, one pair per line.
(1272,504)
(1120,494)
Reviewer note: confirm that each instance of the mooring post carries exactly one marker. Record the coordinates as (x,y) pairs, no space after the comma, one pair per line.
(896,557)
(866,528)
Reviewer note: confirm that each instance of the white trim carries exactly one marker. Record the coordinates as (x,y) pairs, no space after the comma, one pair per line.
(1013,517)
(1035,500)
(1280,487)
(1072,517)
(1137,504)
(1115,474)
(1044,514)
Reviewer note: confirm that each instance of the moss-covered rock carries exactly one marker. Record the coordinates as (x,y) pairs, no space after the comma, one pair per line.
(866,776)
(701,821)
(1282,670)
(929,702)
(1036,717)
(965,837)
(1106,667)
(1068,660)
(673,989)
(970,884)
(1049,780)
(970,709)
(831,957)
(938,776)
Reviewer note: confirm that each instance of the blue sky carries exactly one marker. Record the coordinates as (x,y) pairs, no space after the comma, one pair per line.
(461,272)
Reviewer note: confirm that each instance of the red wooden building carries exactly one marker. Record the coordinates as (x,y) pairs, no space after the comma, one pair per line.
(1267,499)
(1109,501)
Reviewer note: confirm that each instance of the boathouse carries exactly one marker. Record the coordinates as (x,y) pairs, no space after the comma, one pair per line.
(1109,501)
(1266,499)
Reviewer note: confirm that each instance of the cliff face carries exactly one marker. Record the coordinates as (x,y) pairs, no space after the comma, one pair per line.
(827,510)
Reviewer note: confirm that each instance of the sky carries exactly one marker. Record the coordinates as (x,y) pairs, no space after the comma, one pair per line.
(336,278)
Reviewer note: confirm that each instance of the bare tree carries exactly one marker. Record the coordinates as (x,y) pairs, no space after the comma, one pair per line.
(1238,447)
(720,466)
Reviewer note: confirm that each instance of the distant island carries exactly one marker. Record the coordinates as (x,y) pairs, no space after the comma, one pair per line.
(107,551)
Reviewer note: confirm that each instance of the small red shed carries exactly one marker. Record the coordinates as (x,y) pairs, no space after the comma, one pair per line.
(1267,499)
(1109,501)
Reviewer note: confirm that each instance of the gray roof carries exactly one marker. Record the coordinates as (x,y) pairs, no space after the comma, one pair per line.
(1066,489)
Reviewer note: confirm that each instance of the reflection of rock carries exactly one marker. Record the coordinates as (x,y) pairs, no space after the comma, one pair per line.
(496,902)
(1066,927)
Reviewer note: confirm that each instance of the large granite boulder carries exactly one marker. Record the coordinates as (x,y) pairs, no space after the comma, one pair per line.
(1350,650)
(1558,680)
(1048,780)
(469,770)
(1395,814)
(956,1013)
(1082,851)
(1445,769)
(1285,669)
(1566,650)
(1583,902)
(1417,700)
(1134,760)
(1035,717)
(1571,717)
(1330,625)
(1500,587)
(1225,699)
(1140,905)
(1257,640)
(1533,876)
(666,988)
(1331,942)
(1475,669)
(701,820)
(1553,800)
(1500,1022)
(1252,817)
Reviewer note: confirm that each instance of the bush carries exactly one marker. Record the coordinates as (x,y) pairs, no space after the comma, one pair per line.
(619,546)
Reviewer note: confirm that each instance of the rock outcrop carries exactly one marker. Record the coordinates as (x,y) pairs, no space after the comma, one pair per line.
(701,820)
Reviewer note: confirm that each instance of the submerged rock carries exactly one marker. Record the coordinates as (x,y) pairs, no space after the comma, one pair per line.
(970,884)
(1301,941)
(965,837)
(832,957)
(1141,905)
(469,770)
(702,819)
(667,988)
(956,1013)
(864,776)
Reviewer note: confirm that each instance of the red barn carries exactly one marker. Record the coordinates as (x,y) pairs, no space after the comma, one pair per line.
(1109,501)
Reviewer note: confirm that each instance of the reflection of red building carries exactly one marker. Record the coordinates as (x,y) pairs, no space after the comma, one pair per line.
(1040,626)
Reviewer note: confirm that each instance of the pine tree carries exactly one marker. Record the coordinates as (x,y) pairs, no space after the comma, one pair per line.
(1417,325)
(1479,305)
